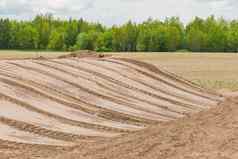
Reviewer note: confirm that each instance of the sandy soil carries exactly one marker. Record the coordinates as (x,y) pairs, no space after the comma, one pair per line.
(90,107)
(207,135)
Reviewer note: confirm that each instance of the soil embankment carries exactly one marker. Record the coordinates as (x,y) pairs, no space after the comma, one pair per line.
(105,107)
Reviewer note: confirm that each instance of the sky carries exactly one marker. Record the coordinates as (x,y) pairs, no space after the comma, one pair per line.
(111,12)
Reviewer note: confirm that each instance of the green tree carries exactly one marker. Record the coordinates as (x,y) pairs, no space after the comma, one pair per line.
(143,40)
(173,39)
(44,26)
(175,34)
(232,37)
(216,37)
(87,41)
(72,31)
(56,41)
(104,41)
(149,39)
(195,40)
(129,32)
(14,29)
(5,33)
(27,37)
(45,32)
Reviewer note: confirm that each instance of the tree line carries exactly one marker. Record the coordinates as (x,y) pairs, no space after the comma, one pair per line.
(45,32)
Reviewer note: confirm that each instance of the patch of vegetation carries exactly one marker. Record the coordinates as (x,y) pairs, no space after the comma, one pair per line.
(45,32)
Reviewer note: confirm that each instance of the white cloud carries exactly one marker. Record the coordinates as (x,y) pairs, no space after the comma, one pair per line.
(118,11)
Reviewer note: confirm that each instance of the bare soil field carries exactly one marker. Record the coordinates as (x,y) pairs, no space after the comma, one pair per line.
(210,70)
(15,54)
(111,107)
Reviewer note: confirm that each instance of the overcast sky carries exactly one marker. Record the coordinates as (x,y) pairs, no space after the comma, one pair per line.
(111,12)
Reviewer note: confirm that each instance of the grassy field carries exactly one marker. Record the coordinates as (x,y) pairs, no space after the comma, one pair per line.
(211,70)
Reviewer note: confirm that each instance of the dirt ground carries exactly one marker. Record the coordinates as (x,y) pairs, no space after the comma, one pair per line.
(211,70)
(15,54)
(194,66)
(207,135)
(106,107)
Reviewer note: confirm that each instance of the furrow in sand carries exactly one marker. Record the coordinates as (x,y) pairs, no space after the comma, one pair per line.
(109,91)
(46,132)
(41,124)
(144,105)
(99,111)
(117,101)
(162,95)
(10,134)
(132,95)
(160,78)
(35,91)
(134,65)
(6,79)
(143,87)
(114,103)
(25,84)
(114,81)
(124,116)
(62,102)
(157,84)
(106,88)
(43,105)
(139,106)
(170,75)
(49,95)
(178,85)
(62,119)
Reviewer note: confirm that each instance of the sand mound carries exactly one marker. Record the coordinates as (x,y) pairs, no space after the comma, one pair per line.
(210,134)
(51,106)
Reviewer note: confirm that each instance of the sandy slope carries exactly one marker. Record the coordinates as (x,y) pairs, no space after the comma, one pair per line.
(209,134)
(103,107)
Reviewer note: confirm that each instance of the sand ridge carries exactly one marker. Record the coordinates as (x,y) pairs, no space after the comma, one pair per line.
(92,103)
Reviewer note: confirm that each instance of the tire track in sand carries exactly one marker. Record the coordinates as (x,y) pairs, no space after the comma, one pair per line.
(174,100)
(111,89)
(57,103)
(76,85)
(160,79)
(102,112)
